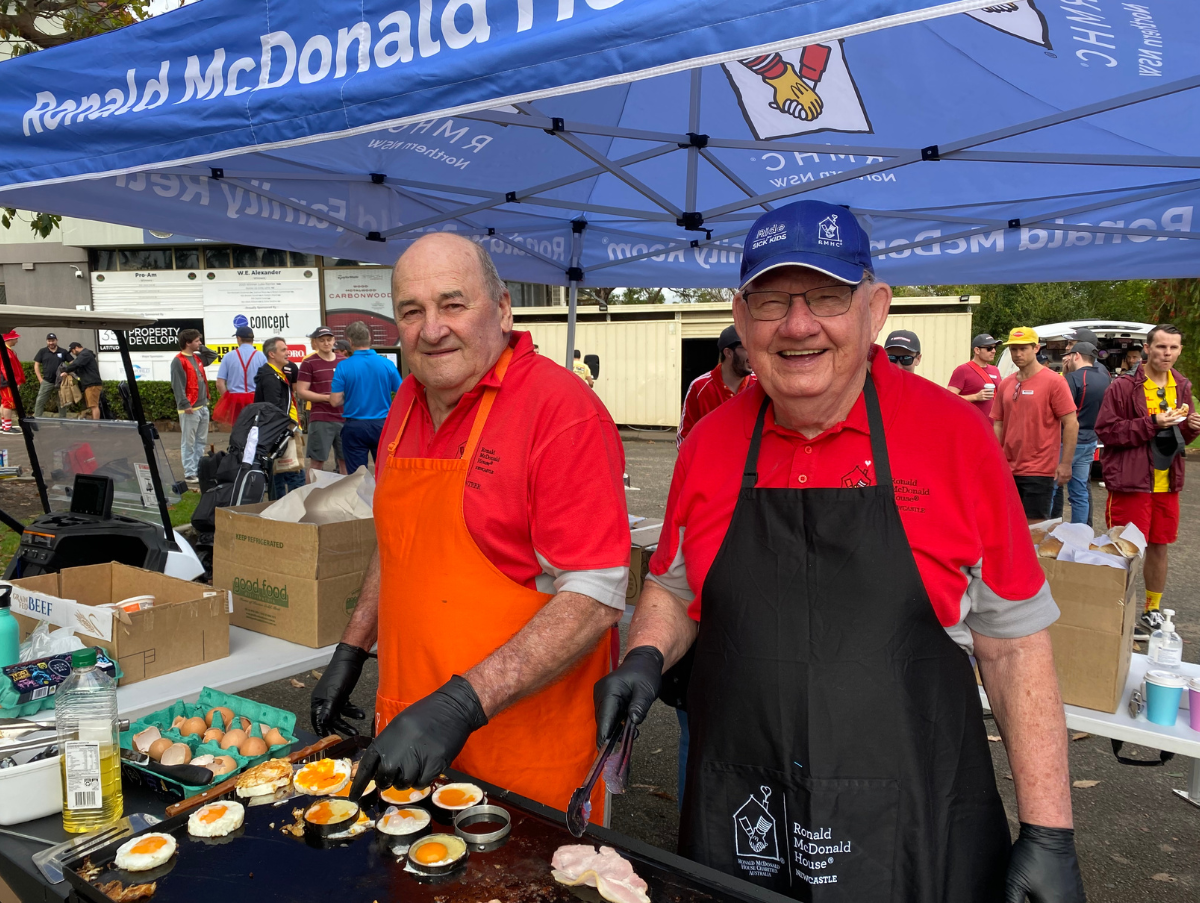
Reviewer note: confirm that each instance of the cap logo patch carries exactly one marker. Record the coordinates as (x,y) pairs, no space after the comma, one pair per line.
(768,234)
(828,233)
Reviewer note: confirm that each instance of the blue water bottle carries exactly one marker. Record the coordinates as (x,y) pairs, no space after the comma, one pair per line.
(10,633)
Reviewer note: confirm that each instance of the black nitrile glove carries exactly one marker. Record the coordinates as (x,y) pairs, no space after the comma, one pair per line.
(422,741)
(629,690)
(330,701)
(1044,866)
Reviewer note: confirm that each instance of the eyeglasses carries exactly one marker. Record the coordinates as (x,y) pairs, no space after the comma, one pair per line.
(904,360)
(826,301)
(1162,400)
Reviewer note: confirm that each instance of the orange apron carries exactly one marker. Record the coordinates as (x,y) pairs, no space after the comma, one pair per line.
(444,607)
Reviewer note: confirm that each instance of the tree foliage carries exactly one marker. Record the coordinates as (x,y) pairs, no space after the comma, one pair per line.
(1033,304)
(1177,301)
(27,26)
(32,25)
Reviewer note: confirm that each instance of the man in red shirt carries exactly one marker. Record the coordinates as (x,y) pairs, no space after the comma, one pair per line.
(1035,422)
(976,380)
(711,390)
(493,591)
(826,531)
(313,387)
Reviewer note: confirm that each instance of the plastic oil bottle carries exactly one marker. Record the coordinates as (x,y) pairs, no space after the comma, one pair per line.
(86,715)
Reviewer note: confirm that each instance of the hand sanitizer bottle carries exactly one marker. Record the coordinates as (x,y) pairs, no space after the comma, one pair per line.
(1166,647)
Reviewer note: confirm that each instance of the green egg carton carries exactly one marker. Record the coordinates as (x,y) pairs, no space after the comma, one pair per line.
(257,712)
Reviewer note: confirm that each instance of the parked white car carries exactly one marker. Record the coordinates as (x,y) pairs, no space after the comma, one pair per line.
(1115,336)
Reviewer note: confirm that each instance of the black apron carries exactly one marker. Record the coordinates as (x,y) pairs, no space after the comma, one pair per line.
(838,750)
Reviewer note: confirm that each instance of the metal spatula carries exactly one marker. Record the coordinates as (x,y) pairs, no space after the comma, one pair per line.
(613,763)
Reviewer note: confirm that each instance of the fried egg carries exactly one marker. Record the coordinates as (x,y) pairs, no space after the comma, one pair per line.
(323,777)
(457,796)
(361,824)
(437,851)
(216,819)
(400,822)
(330,812)
(399,797)
(145,852)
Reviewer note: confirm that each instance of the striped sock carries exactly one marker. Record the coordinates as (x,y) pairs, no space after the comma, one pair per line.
(6,424)
(1153,600)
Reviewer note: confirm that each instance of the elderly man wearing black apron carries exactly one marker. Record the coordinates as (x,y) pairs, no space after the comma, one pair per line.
(838,539)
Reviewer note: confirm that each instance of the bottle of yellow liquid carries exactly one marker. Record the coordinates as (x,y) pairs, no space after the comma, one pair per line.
(86,715)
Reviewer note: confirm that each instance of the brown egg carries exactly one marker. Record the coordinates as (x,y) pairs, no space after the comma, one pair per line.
(223,765)
(158,747)
(192,726)
(226,716)
(253,746)
(213,735)
(178,722)
(233,738)
(275,737)
(176,754)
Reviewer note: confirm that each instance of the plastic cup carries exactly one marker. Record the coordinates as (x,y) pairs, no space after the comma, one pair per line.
(1194,703)
(1164,691)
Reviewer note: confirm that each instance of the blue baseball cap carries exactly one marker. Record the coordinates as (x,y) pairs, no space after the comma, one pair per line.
(813,234)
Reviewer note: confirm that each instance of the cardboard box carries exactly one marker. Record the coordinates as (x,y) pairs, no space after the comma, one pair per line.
(643,541)
(188,625)
(298,582)
(1093,637)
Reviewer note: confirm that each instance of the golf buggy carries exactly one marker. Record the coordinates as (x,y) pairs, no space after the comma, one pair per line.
(105,485)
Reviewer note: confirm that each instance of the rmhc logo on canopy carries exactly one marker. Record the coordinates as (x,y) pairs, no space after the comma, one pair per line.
(281,59)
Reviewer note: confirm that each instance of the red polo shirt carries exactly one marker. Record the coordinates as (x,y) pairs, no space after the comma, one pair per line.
(1031,412)
(546,495)
(957,500)
(707,393)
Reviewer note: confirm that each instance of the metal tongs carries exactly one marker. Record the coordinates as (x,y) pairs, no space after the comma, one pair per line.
(613,762)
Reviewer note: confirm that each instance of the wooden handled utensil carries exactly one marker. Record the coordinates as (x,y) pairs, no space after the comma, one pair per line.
(230,784)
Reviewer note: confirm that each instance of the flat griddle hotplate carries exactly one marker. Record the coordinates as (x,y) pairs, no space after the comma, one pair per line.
(263,864)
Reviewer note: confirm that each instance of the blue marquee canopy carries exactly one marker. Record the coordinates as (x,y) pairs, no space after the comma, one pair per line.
(632,142)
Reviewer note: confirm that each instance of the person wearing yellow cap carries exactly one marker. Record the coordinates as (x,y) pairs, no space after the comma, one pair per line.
(1035,422)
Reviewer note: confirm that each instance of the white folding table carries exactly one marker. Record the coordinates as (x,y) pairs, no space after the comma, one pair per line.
(1179,738)
(254,659)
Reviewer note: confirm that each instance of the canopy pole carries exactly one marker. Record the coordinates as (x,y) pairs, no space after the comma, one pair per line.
(572,300)
(574,275)
(147,432)
(27,432)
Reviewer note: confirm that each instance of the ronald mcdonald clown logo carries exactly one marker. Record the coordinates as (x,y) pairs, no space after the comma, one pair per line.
(798,92)
(1021,20)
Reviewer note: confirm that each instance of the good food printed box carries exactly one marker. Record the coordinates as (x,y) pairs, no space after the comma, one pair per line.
(298,582)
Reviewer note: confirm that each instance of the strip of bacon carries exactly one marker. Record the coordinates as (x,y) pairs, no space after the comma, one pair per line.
(607,871)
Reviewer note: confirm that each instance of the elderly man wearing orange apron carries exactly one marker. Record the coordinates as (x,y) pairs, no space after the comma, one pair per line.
(503,554)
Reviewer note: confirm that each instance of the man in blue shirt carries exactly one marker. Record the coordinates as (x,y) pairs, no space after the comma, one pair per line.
(363,386)
(235,377)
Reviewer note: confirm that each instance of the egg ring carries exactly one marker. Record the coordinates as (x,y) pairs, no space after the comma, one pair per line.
(330,816)
(437,854)
(394,797)
(405,822)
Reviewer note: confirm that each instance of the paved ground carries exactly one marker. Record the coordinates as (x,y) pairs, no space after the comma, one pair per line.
(1136,839)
